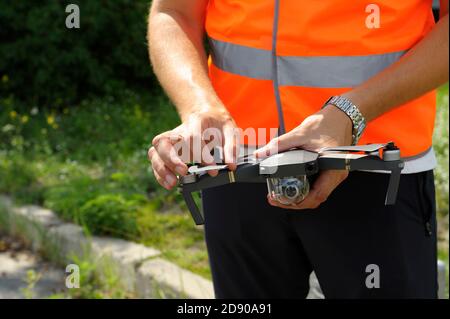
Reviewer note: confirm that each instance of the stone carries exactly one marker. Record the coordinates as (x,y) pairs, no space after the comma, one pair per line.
(158,278)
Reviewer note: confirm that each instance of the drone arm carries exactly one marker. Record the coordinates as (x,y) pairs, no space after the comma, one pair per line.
(368,163)
(351,162)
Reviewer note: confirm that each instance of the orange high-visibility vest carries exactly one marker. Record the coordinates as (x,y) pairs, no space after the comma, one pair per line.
(275,62)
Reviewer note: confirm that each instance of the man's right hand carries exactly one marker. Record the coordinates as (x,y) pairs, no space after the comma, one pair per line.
(188,142)
(176,33)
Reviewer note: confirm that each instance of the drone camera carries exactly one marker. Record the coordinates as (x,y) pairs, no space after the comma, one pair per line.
(288,190)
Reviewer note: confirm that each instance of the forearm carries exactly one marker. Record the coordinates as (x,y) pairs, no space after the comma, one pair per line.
(179,59)
(422,69)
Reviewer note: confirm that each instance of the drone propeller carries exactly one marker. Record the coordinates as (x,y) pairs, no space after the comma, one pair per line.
(199,170)
(343,156)
(369,148)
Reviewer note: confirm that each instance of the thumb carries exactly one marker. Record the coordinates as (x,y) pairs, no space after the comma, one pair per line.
(279,144)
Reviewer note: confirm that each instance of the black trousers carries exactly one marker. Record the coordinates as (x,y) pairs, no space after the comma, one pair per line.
(358,247)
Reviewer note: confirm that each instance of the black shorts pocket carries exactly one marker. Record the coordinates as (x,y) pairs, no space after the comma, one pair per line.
(427,198)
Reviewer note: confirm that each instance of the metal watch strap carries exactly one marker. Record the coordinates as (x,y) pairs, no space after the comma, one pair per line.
(346,106)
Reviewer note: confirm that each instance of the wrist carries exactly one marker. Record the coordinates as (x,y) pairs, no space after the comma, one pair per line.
(360,100)
(214,110)
(339,120)
(348,108)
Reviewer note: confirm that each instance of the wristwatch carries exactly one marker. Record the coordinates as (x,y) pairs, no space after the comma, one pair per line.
(352,111)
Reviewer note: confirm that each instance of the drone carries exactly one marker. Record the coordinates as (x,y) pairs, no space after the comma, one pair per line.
(289,174)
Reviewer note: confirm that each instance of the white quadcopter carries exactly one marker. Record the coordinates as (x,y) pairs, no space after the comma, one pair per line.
(288,174)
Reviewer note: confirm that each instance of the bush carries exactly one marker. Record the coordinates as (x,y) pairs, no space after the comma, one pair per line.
(18,178)
(68,198)
(106,54)
(111,214)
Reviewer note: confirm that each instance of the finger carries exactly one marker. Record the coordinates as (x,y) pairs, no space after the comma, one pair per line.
(267,150)
(163,175)
(200,154)
(278,204)
(280,144)
(157,138)
(160,137)
(211,141)
(161,181)
(208,159)
(182,147)
(322,188)
(150,153)
(231,146)
(167,153)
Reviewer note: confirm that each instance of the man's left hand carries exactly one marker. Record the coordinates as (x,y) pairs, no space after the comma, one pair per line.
(327,128)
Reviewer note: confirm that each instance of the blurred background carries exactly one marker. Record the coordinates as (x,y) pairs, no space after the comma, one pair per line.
(78,110)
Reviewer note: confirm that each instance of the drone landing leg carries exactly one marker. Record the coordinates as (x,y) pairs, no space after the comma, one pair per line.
(192,206)
(394,182)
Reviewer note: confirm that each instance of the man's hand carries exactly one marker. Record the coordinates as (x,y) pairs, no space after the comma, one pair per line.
(188,142)
(326,128)
(175,36)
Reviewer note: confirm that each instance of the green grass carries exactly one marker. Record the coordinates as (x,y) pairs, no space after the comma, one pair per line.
(88,163)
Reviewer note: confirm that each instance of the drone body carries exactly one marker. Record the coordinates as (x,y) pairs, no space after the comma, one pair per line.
(288,174)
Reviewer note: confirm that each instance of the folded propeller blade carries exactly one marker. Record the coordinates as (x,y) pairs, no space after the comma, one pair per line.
(204,169)
(369,148)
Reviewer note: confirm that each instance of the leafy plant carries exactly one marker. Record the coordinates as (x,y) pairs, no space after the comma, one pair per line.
(17,177)
(32,278)
(111,214)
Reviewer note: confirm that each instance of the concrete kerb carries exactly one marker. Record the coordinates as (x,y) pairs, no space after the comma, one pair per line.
(141,270)
(162,279)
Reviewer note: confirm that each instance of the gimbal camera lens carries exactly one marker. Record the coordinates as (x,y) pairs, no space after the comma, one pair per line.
(288,190)
(291,191)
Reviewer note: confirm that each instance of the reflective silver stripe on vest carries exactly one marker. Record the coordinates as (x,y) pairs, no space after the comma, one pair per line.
(319,72)
(241,60)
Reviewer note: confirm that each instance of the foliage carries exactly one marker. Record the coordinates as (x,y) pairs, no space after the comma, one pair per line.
(97,281)
(18,178)
(176,236)
(441,147)
(31,280)
(100,130)
(111,214)
(107,54)
(68,198)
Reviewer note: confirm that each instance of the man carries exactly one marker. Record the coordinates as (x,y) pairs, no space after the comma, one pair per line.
(274,64)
